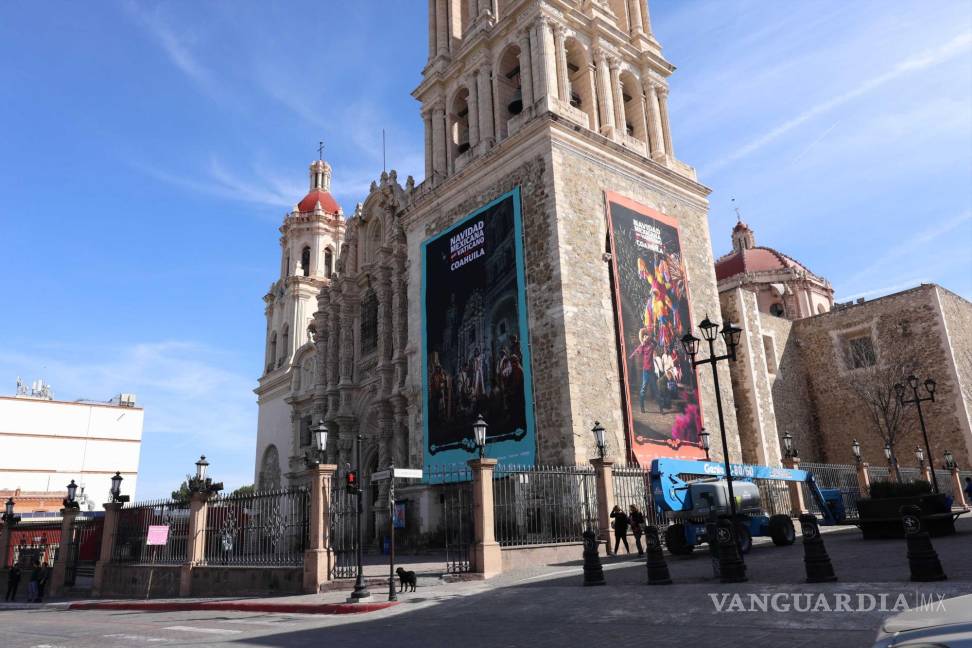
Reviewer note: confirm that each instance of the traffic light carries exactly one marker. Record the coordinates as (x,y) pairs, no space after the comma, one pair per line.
(351,481)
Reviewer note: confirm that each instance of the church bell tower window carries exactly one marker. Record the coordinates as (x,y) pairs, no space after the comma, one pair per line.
(305,261)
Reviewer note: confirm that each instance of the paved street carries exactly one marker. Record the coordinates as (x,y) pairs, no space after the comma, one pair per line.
(547,606)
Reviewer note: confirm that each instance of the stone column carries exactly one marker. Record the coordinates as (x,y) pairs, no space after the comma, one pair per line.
(797,504)
(634,10)
(59,572)
(438,140)
(958,489)
(319,558)
(618,94)
(562,73)
(663,112)
(605,96)
(432,30)
(654,123)
(604,476)
(487,557)
(485,96)
(427,119)
(926,472)
(196,541)
(537,62)
(441,27)
(108,533)
(526,71)
(472,83)
(5,536)
(863,478)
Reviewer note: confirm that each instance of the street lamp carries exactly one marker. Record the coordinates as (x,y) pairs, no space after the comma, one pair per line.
(917,400)
(115,491)
(8,516)
(360,589)
(788,448)
(70,502)
(598,431)
(315,455)
(201,483)
(856,449)
(201,467)
(479,433)
(920,456)
(949,461)
(704,437)
(730,336)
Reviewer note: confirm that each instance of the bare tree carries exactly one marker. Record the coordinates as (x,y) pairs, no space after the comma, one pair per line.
(873,381)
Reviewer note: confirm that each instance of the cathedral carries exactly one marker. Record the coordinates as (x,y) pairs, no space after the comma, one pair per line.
(540,276)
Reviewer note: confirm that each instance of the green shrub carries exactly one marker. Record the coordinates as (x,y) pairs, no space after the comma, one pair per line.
(885,489)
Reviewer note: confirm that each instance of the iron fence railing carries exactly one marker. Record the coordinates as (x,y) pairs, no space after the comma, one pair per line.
(262,528)
(543,504)
(632,485)
(132,532)
(452,483)
(840,476)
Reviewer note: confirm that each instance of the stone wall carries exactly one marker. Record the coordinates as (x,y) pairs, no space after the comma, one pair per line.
(957,313)
(907,327)
(246,581)
(132,581)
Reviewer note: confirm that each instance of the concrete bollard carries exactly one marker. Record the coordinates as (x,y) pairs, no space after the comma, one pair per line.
(922,557)
(655,561)
(732,569)
(815,556)
(593,572)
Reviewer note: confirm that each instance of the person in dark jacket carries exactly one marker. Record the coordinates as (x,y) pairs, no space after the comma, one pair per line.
(637,520)
(45,575)
(13,582)
(620,525)
(33,584)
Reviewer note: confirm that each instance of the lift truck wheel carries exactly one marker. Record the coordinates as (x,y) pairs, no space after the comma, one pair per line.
(743,537)
(781,530)
(675,540)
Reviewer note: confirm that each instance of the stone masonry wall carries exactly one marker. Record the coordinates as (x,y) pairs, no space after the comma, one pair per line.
(907,325)
(957,313)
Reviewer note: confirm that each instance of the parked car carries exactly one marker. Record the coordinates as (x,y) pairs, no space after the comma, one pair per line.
(946,625)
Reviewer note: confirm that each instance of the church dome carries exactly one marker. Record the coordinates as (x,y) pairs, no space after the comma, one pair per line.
(755,259)
(314,196)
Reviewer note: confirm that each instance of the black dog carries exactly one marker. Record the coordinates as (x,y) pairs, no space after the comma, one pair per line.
(406,578)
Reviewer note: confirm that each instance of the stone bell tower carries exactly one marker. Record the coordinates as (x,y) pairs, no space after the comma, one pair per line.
(310,240)
(568,101)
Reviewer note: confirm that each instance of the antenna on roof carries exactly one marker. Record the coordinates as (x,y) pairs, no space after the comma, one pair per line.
(736,209)
(383,163)
(320,151)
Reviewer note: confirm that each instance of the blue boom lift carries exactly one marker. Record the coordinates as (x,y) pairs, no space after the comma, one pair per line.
(691,491)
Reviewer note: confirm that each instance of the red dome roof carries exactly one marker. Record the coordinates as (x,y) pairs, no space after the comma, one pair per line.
(757,259)
(318,195)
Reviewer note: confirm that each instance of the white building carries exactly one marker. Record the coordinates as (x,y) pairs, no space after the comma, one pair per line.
(45,443)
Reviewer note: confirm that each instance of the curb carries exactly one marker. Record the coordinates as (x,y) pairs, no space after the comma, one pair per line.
(291,608)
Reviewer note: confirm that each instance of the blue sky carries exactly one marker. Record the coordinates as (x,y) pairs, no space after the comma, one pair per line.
(149,150)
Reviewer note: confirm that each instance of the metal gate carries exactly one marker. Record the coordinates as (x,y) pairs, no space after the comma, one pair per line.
(82,550)
(343,516)
(457,524)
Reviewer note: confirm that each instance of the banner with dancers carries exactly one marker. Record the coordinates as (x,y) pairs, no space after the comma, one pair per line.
(652,313)
(476,360)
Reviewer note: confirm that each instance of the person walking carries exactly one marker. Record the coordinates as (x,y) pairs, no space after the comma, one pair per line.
(620,526)
(13,582)
(968,489)
(45,575)
(637,520)
(33,584)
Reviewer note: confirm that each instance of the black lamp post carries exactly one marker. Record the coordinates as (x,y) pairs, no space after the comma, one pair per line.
(201,467)
(479,434)
(116,496)
(920,456)
(949,461)
(856,449)
(8,516)
(360,589)
(70,502)
(704,438)
(730,336)
(788,449)
(315,455)
(201,483)
(917,400)
(599,442)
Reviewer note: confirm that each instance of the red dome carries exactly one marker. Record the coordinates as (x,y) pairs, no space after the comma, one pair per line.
(318,195)
(757,259)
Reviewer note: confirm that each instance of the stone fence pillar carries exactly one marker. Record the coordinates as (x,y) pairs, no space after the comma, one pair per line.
(59,572)
(487,558)
(319,558)
(108,533)
(797,505)
(958,489)
(5,536)
(604,477)
(863,478)
(196,546)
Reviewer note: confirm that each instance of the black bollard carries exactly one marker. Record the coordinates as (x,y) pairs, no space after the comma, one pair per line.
(922,557)
(593,572)
(732,569)
(815,556)
(655,561)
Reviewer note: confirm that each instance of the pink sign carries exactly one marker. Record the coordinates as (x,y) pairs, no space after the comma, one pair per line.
(157,535)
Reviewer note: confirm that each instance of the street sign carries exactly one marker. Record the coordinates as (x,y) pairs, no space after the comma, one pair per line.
(158,535)
(400,473)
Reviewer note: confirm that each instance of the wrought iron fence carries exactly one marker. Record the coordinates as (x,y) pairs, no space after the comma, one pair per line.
(453,484)
(543,504)
(774,496)
(84,548)
(40,541)
(840,476)
(946,484)
(632,485)
(910,474)
(343,519)
(132,532)
(262,528)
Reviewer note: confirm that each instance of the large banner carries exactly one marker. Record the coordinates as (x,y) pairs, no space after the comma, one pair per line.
(476,359)
(652,311)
